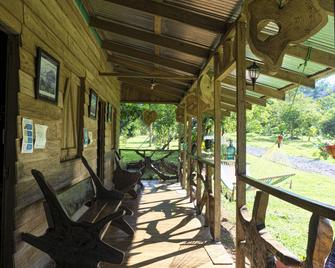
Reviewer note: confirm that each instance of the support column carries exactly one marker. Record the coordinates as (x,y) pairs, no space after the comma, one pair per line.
(240,43)
(217,149)
(183,180)
(189,149)
(199,141)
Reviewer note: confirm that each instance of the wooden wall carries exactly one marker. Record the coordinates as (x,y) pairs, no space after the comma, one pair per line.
(57,27)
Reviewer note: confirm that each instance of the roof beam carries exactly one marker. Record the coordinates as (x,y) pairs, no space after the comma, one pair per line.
(287,75)
(233,102)
(146,36)
(135,53)
(162,98)
(147,84)
(317,56)
(136,75)
(141,67)
(260,89)
(174,13)
(231,94)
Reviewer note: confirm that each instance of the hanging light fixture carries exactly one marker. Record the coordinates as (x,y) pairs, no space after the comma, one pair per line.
(254,72)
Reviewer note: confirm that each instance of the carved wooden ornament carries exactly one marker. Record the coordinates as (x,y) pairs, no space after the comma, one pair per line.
(207,90)
(297,20)
(149,117)
(192,105)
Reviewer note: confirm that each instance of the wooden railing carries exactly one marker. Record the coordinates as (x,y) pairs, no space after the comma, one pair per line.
(202,171)
(261,249)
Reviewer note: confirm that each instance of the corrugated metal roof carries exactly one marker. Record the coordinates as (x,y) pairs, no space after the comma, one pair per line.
(324,39)
(226,11)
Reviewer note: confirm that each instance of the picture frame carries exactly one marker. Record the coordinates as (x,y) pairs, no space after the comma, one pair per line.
(47,76)
(110,113)
(107,113)
(93,105)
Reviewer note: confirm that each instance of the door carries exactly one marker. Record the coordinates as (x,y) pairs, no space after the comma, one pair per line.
(101,140)
(9,85)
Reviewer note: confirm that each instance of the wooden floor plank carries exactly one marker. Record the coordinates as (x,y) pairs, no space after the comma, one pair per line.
(167,232)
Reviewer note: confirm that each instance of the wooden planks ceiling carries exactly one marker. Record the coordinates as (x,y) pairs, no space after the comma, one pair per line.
(170,42)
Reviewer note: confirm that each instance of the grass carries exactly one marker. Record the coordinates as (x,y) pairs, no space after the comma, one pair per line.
(142,142)
(287,223)
(301,147)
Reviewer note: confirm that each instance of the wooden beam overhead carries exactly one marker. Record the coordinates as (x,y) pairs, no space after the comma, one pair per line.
(135,53)
(141,67)
(128,94)
(317,56)
(231,94)
(153,76)
(286,74)
(147,84)
(260,89)
(228,107)
(156,92)
(183,15)
(233,102)
(146,36)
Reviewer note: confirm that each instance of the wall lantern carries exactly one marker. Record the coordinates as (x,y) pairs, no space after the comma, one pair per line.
(254,72)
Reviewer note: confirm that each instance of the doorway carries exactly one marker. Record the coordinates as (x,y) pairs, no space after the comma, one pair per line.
(101,140)
(9,85)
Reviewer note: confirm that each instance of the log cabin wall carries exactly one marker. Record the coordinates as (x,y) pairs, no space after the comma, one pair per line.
(57,27)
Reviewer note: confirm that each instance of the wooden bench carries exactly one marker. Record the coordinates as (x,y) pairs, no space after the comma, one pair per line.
(77,219)
(126,180)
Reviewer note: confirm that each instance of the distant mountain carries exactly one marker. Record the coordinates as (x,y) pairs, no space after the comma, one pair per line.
(324,87)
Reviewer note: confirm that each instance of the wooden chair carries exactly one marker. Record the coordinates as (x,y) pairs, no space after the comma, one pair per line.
(77,243)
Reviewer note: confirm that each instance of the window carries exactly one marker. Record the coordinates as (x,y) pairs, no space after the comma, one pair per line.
(72,118)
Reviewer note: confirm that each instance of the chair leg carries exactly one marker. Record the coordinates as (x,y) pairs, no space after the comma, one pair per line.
(123,225)
(133,193)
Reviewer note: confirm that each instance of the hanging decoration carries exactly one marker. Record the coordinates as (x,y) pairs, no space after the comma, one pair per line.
(149,116)
(296,21)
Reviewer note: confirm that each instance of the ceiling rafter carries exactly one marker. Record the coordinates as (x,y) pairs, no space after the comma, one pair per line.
(135,53)
(147,84)
(260,89)
(231,94)
(175,13)
(127,89)
(149,37)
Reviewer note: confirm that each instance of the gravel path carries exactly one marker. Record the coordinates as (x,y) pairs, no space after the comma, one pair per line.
(297,162)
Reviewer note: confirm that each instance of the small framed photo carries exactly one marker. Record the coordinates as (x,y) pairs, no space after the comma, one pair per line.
(92,108)
(47,76)
(106,113)
(110,113)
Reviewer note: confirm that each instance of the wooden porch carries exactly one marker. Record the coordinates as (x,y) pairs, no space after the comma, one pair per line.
(193,54)
(168,232)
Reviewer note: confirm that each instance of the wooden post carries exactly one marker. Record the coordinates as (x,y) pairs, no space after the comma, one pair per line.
(241,136)
(189,149)
(199,141)
(183,182)
(217,149)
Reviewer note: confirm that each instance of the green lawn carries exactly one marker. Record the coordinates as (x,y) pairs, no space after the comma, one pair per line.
(287,223)
(301,147)
(142,142)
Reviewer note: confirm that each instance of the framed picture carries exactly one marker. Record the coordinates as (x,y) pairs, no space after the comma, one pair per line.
(92,108)
(107,113)
(110,113)
(47,75)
